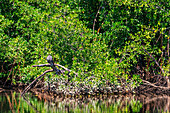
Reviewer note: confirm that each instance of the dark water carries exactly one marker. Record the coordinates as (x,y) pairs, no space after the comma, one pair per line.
(12,102)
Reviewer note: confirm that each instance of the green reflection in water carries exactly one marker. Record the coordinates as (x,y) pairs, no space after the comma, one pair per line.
(12,102)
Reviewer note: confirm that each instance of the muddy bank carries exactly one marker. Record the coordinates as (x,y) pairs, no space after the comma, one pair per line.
(53,90)
(61,87)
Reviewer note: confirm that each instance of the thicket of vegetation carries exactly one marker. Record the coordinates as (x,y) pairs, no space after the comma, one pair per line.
(109,40)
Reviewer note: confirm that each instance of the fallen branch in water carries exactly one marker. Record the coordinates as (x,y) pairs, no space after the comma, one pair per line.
(52,65)
(28,87)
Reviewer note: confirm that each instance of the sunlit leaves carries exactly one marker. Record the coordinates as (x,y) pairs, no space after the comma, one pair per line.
(31,30)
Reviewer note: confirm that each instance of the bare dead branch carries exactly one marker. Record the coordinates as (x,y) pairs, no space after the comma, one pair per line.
(52,65)
(48,65)
(66,69)
(28,87)
(153,85)
(154,60)
(95,19)
(42,65)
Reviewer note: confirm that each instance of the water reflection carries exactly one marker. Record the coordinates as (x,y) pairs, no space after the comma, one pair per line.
(12,102)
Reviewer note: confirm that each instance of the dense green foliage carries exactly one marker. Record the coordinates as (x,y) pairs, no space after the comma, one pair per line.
(107,39)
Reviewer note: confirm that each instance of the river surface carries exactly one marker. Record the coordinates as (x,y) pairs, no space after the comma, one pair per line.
(13,102)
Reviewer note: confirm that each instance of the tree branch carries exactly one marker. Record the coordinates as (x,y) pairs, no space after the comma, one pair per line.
(95,19)
(48,65)
(153,85)
(28,87)
(66,69)
(154,60)
(42,65)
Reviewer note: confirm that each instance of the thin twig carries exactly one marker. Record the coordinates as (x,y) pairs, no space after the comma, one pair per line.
(158,38)
(9,73)
(95,19)
(168,48)
(100,27)
(153,59)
